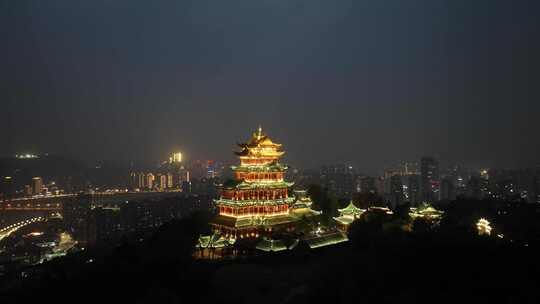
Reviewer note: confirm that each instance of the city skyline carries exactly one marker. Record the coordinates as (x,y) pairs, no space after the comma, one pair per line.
(384,169)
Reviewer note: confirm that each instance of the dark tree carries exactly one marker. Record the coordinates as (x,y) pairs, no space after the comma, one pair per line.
(324,202)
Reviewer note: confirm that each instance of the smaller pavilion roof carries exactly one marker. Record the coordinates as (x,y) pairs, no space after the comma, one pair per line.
(351,209)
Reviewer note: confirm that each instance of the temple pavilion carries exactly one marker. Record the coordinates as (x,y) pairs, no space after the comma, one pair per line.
(426,211)
(258,200)
(348,215)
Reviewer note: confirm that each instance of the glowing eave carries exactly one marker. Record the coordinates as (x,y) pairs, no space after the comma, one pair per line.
(255,155)
(224,201)
(255,215)
(263,185)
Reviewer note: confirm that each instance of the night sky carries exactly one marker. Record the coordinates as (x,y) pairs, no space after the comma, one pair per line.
(367,82)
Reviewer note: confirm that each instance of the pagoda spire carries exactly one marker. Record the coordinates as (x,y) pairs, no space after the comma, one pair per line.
(259,132)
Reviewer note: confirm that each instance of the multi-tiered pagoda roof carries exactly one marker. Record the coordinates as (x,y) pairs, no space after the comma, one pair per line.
(260,145)
(258,197)
(349,214)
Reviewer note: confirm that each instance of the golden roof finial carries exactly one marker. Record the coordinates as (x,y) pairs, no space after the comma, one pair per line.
(259,134)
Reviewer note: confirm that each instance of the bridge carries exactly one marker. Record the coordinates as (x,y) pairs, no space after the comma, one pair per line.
(55,203)
(40,203)
(20,209)
(7,231)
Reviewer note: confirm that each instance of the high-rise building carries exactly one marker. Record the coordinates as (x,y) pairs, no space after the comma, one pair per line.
(429,183)
(199,169)
(410,168)
(367,184)
(413,189)
(476,187)
(141,177)
(175,158)
(133,180)
(448,189)
(7,188)
(76,211)
(170,180)
(28,190)
(458,176)
(380,185)
(150,181)
(37,185)
(162,180)
(402,169)
(395,194)
(339,179)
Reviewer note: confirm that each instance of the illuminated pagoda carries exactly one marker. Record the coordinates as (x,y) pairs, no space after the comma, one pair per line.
(426,211)
(257,199)
(484,227)
(348,215)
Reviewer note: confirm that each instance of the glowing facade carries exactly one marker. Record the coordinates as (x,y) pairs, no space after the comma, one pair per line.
(483,227)
(175,158)
(258,198)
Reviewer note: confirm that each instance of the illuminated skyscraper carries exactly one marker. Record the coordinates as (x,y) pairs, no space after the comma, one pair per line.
(429,179)
(150,181)
(448,189)
(413,189)
(162,179)
(133,180)
(28,190)
(175,158)
(170,180)
(395,194)
(141,180)
(367,184)
(37,185)
(339,179)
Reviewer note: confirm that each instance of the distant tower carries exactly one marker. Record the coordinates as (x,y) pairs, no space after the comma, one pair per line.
(150,181)
(6,187)
(175,158)
(367,184)
(28,190)
(162,179)
(37,185)
(476,187)
(413,189)
(141,180)
(339,179)
(448,190)
(429,179)
(170,180)
(396,191)
(133,180)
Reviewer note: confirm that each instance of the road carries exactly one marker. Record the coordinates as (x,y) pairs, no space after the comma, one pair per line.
(7,231)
